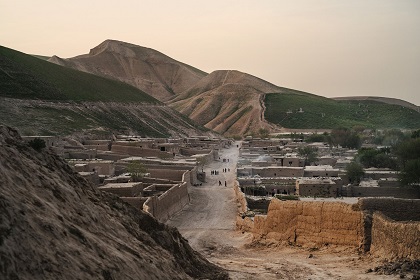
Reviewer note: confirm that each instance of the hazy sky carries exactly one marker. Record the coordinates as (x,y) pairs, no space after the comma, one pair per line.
(326,47)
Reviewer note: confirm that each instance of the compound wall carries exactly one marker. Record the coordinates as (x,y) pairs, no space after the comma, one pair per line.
(310,223)
(395,239)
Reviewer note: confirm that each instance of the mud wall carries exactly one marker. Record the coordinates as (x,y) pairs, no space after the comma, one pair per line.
(395,208)
(388,227)
(169,203)
(140,152)
(408,193)
(310,223)
(169,174)
(243,223)
(395,239)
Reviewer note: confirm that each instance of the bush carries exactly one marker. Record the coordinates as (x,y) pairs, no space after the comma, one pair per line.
(37,144)
(355,172)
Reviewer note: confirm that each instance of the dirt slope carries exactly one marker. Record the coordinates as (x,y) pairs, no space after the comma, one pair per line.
(151,71)
(36,117)
(226,101)
(54,225)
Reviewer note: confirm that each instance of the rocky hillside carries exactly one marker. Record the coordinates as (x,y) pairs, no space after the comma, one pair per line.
(150,71)
(55,225)
(229,102)
(39,97)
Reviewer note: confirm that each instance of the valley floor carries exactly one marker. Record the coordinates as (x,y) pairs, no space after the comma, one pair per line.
(208,223)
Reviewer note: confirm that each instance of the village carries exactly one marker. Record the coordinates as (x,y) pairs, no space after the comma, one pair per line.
(156,174)
(211,189)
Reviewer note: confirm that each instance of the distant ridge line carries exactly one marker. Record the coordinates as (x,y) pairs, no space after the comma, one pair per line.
(388,100)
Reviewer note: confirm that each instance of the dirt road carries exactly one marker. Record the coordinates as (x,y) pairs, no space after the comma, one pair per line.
(208,223)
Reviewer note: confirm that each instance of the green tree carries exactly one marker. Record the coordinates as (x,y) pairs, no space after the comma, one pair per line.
(310,154)
(316,138)
(264,133)
(345,138)
(136,170)
(408,153)
(355,172)
(415,134)
(377,158)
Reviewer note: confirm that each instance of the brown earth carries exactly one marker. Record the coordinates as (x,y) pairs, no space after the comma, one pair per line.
(208,223)
(151,71)
(228,102)
(55,225)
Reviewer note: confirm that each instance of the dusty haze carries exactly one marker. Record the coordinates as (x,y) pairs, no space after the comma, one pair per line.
(330,48)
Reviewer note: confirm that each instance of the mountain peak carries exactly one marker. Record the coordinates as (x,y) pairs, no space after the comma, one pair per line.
(114,46)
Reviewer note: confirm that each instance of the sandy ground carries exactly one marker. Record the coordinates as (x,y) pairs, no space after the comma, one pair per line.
(208,223)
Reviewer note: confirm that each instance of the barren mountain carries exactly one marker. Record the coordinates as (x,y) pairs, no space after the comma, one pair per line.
(229,102)
(39,97)
(151,71)
(55,225)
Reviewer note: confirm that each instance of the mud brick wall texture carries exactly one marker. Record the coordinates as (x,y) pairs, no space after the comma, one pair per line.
(395,239)
(311,223)
(387,227)
(395,208)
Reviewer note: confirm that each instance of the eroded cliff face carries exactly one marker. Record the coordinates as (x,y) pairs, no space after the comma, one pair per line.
(55,225)
(310,223)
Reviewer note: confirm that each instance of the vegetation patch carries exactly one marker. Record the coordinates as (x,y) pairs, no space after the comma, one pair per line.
(315,112)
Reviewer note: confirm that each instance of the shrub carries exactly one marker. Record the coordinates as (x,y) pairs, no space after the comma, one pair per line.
(37,144)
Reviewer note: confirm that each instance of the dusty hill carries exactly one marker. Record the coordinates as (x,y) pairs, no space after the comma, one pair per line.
(229,102)
(54,225)
(151,71)
(39,97)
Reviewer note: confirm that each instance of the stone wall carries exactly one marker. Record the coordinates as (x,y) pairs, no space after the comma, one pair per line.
(310,223)
(395,239)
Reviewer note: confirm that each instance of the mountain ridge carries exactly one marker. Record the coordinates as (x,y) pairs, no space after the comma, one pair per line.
(39,97)
(149,70)
(229,102)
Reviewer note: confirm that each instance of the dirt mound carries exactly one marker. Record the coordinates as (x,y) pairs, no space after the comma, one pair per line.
(228,102)
(54,225)
(151,71)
